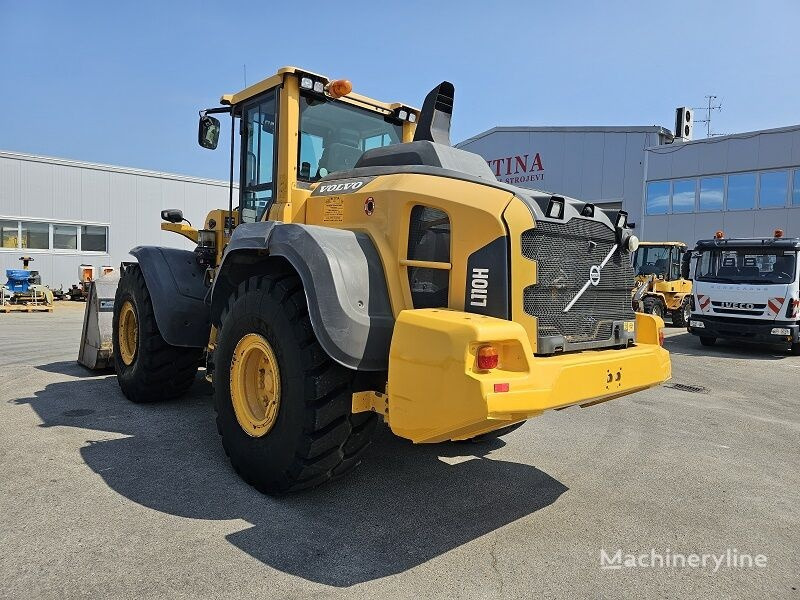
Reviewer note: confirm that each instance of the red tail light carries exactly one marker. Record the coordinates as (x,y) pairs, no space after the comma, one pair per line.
(487,358)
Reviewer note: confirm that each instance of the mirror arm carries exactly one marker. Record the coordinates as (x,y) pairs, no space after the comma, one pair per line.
(215,111)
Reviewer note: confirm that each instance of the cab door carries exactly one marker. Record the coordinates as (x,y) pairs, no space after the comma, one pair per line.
(259,124)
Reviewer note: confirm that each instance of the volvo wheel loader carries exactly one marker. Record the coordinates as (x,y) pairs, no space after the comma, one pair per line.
(369,272)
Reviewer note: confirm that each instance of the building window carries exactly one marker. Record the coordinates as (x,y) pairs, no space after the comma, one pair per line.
(658,197)
(683,193)
(772,188)
(65,237)
(711,193)
(796,189)
(742,191)
(429,241)
(35,236)
(9,234)
(94,238)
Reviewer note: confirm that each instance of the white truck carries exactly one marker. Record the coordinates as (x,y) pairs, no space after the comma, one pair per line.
(745,289)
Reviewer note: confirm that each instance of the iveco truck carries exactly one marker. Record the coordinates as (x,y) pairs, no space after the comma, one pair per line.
(746,289)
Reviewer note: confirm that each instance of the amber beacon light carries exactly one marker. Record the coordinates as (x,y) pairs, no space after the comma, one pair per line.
(339,88)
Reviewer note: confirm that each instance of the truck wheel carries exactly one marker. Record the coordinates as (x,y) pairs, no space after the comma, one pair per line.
(493,435)
(148,368)
(795,350)
(707,340)
(680,317)
(283,406)
(654,306)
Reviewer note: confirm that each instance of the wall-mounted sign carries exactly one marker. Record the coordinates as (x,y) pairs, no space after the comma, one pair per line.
(518,169)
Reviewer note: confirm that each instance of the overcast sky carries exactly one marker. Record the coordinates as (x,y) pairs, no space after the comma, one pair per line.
(121,82)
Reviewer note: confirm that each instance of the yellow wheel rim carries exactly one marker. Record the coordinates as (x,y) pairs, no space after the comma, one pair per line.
(128,332)
(255,385)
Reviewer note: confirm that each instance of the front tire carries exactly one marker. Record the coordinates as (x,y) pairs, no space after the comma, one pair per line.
(707,340)
(795,349)
(148,368)
(312,436)
(654,306)
(680,317)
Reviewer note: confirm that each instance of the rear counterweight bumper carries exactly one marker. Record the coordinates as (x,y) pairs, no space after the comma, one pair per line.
(437,392)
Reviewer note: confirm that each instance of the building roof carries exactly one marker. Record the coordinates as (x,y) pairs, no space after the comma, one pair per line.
(570,129)
(722,138)
(114,169)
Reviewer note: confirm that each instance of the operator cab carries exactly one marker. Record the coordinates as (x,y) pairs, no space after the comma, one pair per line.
(661,260)
(335,126)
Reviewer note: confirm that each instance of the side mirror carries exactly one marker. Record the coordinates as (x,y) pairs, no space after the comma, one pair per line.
(172,215)
(208,132)
(687,257)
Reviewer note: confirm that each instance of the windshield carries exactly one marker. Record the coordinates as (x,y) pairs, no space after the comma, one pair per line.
(334,135)
(651,260)
(747,266)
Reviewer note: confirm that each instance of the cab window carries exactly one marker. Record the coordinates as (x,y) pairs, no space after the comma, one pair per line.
(258,157)
(334,135)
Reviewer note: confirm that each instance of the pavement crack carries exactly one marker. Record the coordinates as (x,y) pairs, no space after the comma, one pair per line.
(493,554)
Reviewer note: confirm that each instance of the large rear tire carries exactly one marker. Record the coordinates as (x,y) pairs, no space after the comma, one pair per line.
(303,433)
(680,317)
(707,340)
(148,368)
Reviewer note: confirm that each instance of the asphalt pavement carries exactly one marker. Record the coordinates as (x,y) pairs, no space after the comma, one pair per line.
(102,498)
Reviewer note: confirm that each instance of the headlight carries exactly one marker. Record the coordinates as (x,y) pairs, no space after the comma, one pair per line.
(632,243)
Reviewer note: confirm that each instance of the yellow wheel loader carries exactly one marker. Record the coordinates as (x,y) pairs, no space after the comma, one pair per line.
(368,271)
(659,288)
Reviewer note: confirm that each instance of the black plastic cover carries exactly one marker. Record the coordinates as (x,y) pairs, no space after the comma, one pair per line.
(176,285)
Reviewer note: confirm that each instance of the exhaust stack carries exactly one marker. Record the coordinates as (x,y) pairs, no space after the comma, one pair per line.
(434,119)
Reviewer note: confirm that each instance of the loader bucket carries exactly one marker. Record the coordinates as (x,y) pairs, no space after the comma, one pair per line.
(96,338)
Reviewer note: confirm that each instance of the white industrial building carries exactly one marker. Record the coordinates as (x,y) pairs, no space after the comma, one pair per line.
(65,213)
(745,184)
(602,165)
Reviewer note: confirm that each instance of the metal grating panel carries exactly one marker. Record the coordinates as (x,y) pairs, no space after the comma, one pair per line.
(564,253)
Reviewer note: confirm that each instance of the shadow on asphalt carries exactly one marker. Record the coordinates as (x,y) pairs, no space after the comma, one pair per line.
(687,344)
(401,507)
(73,369)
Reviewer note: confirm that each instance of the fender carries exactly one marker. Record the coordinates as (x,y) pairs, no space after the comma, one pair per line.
(344,283)
(177,290)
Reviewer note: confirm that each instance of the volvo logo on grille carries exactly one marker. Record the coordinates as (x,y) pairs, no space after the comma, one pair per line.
(594,278)
(594,275)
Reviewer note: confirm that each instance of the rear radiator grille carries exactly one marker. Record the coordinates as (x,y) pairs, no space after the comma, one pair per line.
(565,253)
